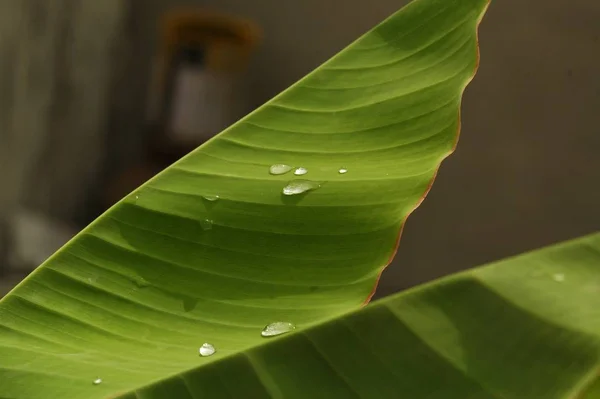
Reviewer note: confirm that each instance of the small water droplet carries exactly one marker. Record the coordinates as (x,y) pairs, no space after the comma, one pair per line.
(536,273)
(279,169)
(141,282)
(211,198)
(342,171)
(277,328)
(97,381)
(206,224)
(137,197)
(189,303)
(558,277)
(300,186)
(300,171)
(594,288)
(206,350)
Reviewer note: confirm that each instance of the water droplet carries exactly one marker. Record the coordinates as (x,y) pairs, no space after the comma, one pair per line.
(277,328)
(593,288)
(558,277)
(342,171)
(141,282)
(211,198)
(206,224)
(279,169)
(206,350)
(137,197)
(300,171)
(537,273)
(300,186)
(189,303)
(97,381)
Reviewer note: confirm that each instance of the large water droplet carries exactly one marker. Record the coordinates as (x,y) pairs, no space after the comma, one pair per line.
(279,169)
(97,381)
(342,171)
(300,171)
(558,277)
(300,186)
(277,328)
(206,224)
(206,350)
(211,198)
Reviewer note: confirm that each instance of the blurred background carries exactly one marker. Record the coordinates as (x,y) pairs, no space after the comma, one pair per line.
(92,91)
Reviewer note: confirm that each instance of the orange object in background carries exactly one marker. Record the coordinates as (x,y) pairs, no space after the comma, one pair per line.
(215,32)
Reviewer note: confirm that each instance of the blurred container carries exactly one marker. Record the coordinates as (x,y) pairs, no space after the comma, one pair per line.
(197,88)
(198,79)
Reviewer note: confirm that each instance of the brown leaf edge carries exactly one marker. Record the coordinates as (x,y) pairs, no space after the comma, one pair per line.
(477,58)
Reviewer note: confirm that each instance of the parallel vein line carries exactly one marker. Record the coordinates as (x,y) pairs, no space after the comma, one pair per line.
(243,279)
(315,111)
(448,104)
(369,151)
(439,61)
(166,312)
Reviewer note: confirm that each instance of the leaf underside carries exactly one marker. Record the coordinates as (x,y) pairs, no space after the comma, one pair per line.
(135,294)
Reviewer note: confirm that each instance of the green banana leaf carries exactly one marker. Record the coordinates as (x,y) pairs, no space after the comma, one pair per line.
(216,247)
(593,391)
(526,327)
